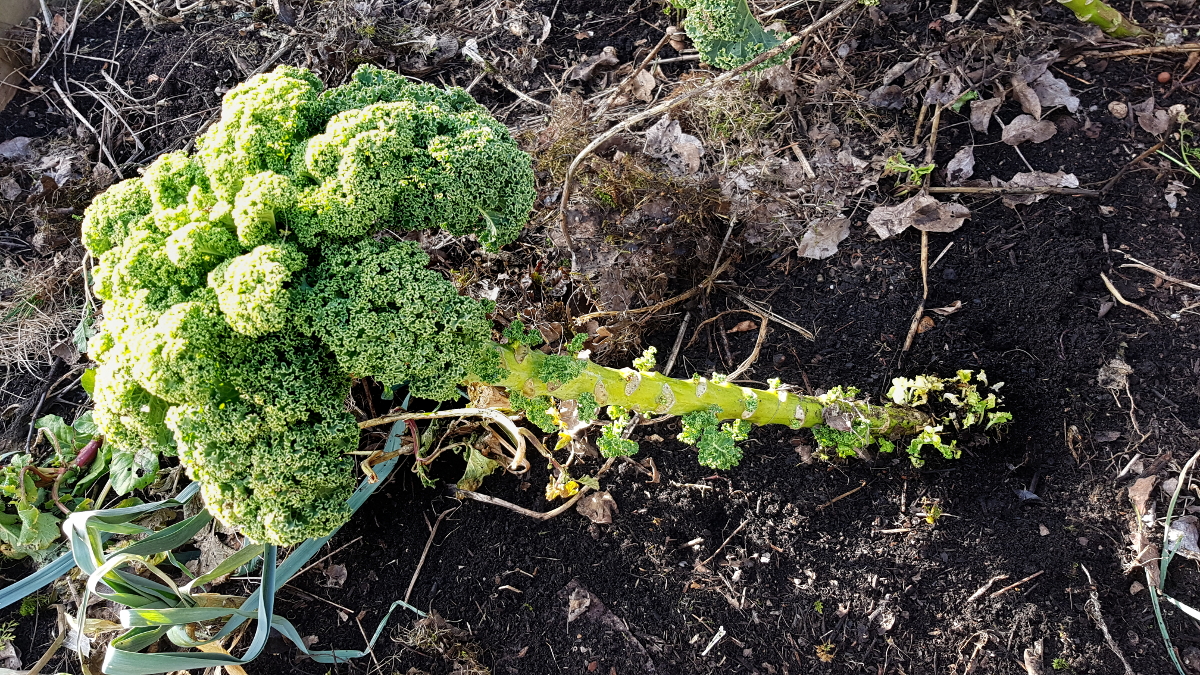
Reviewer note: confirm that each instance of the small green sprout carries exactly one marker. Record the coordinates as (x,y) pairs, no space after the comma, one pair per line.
(610,442)
(646,362)
(1060,664)
(914,175)
(819,607)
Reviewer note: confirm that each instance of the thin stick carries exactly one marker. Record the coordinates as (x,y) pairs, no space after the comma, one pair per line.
(1121,299)
(1009,587)
(322,559)
(682,98)
(687,317)
(1160,274)
(1144,51)
(429,542)
(939,258)
(725,241)
(661,305)
(984,588)
(1073,192)
(915,326)
(726,542)
(841,497)
(762,334)
(1108,184)
(925,265)
(779,319)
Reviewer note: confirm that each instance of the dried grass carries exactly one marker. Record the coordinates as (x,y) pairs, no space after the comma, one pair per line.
(40,306)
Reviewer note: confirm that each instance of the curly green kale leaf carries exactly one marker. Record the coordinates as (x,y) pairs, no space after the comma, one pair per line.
(727,35)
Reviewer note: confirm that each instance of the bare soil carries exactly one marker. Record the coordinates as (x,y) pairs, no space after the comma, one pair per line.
(789,560)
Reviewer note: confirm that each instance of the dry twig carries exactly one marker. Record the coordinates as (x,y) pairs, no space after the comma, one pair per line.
(1121,299)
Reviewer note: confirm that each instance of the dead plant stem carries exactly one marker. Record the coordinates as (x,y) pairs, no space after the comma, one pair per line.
(1121,299)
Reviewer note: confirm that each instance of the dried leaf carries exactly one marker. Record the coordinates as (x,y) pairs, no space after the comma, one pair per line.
(1141,492)
(922,212)
(1150,118)
(780,79)
(961,166)
(898,70)
(1026,128)
(944,93)
(335,576)
(1155,123)
(9,188)
(598,507)
(584,71)
(681,152)
(578,603)
(743,326)
(1037,179)
(1183,537)
(1146,556)
(643,86)
(1033,659)
(887,96)
(1027,97)
(982,111)
(823,236)
(18,148)
(1053,92)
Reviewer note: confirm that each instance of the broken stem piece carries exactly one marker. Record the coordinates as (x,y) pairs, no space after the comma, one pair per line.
(1121,299)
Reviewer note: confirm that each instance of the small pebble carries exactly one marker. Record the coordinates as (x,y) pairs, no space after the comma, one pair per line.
(950,274)
(1164,77)
(1118,109)
(778,360)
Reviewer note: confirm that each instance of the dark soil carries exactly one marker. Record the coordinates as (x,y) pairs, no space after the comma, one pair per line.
(792,560)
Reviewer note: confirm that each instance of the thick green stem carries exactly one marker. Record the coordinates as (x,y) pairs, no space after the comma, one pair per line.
(1106,18)
(529,372)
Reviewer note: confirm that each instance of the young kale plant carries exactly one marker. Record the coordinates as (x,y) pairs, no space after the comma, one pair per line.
(247,285)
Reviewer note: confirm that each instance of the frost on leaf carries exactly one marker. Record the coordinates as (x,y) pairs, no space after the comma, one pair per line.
(922,212)
(982,111)
(1037,179)
(823,236)
(962,166)
(1026,128)
(666,141)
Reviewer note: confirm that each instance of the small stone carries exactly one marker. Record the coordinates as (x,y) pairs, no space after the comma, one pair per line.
(1083,541)
(778,360)
(1118,109)
(1136,588)
(950,274)
(1043,530)
(1164,77)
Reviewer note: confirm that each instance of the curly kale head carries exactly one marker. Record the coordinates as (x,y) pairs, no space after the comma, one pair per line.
(244,286)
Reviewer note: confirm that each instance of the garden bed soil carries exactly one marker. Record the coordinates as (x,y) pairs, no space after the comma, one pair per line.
(815,567)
